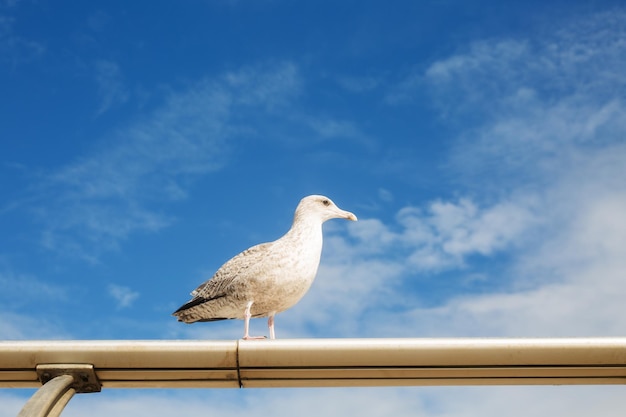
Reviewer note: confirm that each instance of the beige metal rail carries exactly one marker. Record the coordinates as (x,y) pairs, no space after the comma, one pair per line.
(310,363)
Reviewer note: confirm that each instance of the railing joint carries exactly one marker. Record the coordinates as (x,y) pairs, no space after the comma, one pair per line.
(85,378)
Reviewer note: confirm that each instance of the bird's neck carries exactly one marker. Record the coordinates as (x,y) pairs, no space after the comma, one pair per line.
(305,230)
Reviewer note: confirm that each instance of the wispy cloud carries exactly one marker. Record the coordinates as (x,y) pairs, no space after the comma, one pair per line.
(549,209)
(17,326)
(443,234)
(111,88)
(123,296)
(128,181)
(377,267)
(514,401)
(19,288)
(27,307)
(567,281)
(549,113)
(286,402)
(15,48)
(548,155)
(449,232)
(9,3)
(125,185)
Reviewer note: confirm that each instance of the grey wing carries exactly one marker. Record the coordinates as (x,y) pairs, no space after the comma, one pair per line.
(233,270)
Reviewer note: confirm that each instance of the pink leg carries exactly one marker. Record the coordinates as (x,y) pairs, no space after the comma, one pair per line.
(246,324)
(270,325)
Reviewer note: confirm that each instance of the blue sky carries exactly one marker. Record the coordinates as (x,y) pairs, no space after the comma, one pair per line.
(481,144)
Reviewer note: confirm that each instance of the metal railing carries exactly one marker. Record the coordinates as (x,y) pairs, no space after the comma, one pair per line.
(66,367)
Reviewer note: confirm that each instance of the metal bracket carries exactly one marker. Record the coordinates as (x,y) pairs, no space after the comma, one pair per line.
(85,379)
(59,383)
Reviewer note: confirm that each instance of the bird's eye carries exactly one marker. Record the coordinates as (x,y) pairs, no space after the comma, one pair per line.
(326,202)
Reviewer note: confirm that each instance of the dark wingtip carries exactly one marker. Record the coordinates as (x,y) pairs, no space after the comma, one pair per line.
(191,304)
(182,314)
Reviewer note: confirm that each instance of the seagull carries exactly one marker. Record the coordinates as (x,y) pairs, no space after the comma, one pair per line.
(268,278)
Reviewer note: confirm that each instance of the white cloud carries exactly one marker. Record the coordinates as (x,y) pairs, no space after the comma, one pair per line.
(123,296)
(111,87)
(561,221)
(461,229)
(385,195)
(534,103)
(551,197)
(484,58)
(270,86)
(25,301)
(15,48)
(285,402)
(541,401)
(367,277)
(555,157)
(20,288)
(127,183)
(12,403)
(92,204)
(443,234)
(569,283)
(15,326)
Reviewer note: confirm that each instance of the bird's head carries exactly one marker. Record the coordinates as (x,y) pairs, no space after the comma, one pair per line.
(322,208)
